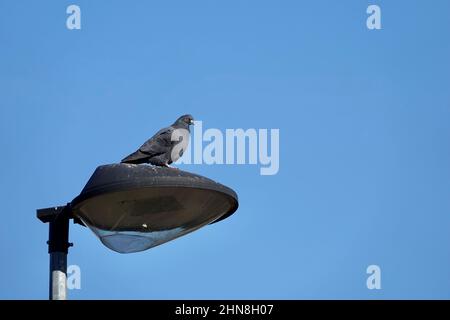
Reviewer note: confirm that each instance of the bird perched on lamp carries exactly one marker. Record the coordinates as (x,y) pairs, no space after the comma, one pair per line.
(166,146)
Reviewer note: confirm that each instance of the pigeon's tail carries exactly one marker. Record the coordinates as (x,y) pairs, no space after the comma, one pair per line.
(136,158)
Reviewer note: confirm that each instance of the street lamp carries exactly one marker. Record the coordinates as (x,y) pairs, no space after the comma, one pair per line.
(133,208)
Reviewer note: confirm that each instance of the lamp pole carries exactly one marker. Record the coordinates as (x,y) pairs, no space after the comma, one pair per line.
(58,247)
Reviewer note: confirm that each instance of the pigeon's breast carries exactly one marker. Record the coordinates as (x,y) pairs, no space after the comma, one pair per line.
(178,150)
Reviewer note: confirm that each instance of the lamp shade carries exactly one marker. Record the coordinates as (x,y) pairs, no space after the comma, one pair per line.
(136,207)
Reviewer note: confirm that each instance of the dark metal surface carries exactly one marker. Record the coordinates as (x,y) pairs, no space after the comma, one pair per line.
(58,238)
(47,215)
(126,177)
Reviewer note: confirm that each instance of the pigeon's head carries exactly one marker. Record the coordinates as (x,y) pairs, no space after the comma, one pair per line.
(185,120)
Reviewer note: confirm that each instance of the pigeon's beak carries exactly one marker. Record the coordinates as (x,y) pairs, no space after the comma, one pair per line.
(191,122)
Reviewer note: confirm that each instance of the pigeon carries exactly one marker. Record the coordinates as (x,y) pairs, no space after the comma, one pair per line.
(166,146)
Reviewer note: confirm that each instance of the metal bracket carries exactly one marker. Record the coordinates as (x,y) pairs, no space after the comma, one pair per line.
(47,215)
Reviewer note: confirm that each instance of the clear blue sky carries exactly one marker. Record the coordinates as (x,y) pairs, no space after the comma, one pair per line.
(364,142)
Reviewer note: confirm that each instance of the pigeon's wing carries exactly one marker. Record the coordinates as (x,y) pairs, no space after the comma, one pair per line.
(159,144)
(136,158)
